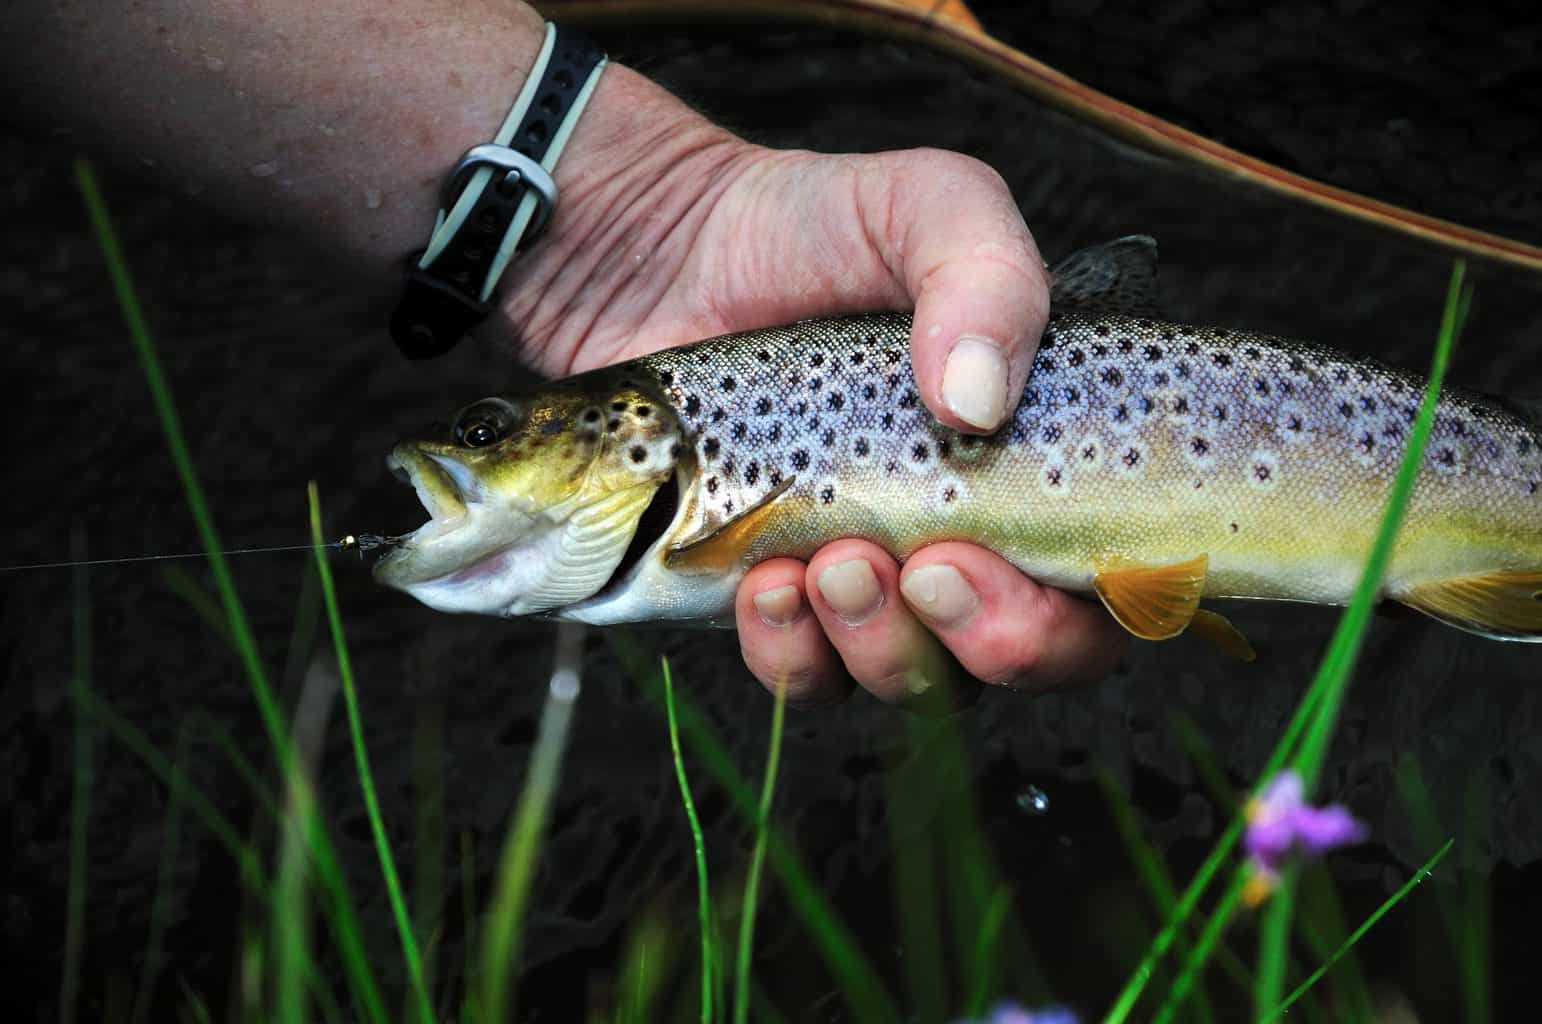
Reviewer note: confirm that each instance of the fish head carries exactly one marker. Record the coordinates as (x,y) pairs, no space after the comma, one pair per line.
(534,499)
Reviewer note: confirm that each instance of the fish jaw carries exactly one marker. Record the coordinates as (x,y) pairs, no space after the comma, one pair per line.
(497,554)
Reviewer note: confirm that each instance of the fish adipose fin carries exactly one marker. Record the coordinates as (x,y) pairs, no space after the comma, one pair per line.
(1498,605)
(1153,603)
(1115,277)
(1219,631)
(718,549)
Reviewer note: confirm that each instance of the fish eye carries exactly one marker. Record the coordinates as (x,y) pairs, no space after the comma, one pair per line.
(486,422)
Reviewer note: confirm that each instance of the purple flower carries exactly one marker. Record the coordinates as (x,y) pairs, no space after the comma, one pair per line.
(1013,1013)
(1280,823)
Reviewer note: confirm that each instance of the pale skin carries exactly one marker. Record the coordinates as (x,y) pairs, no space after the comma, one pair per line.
(337,122)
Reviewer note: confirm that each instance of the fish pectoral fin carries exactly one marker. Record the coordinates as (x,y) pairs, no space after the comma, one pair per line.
(1499,605)
(1218,630)
(719,548)
(1117,277)
(1154,603)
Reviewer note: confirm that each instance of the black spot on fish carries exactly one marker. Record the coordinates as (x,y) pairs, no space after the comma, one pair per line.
(1046,365)
(1181,405)
(1089,452)
(1126,345)
(1262,472)
(1192,348)
(763,407)
(1293,423)
(944,449)
(1047,340)
(1261,385)
(1199,446)
(814,383)
(1077,357)
(949,494)
(1030,398)
(1147,404)
(827,438)
(856,358)
(891,467)
(800,459)
(835,400)
(1131,457)
(891,355)
(1051,433)
(666,378)
(692,405)
(751,473)
(1234,527)
(1052,476)
(774,477)
(817,359)
(1121,413)
(1221,359)
(827,495)
(869,392)
(719,414)
(592,416)
(1072,396)
(1160,379)
(861,447)
(1366,443)
(1218,414)
(712,485)
(642,411)
(775,433)
(638,453)
(800,408)
(1250,352)
(1182,371)
(763,356)
(1369,404)
(1100,350)
(613,426)
(919,452)
(1167,334)
(618,406)
(1296,365)
(1111,376)
(739,431)
(1101,330)
(710,447)
(1341,375)
(1446,457)
(728,507)
(887,421)
(728,384)
(728,468)
(1153,353)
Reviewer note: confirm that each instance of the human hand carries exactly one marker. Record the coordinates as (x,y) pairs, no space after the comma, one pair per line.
(713,235)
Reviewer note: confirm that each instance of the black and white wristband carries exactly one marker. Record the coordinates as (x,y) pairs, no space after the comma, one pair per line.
(496,201)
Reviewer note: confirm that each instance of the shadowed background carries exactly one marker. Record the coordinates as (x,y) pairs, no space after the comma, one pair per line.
(282,377)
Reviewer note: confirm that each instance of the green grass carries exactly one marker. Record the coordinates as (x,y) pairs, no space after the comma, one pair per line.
(965,943)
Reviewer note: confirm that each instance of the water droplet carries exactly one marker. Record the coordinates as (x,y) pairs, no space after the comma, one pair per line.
(265,169)
(372,198)
(1033,800)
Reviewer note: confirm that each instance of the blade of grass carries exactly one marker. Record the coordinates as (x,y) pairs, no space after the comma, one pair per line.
(291,923)
(645,968)
(80,792)
(757,860)
(1321,925)
(521,849)
(1346,639)
(1199,956)
(698,847)
(1358,933)
(917,899)
(428,829)
(984,956)
(468,911)
(1452,899)
(1151,869)
(858,981)
(404,929)
(1333,674)
(171,833)
(365,989)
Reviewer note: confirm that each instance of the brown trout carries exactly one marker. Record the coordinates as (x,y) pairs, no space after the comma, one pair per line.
(1150,463)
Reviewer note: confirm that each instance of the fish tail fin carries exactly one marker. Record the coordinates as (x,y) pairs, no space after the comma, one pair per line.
(1498,605)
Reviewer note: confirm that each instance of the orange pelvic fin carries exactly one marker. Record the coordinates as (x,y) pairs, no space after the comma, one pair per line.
(1219,631)
(1498,605)
(1153,603)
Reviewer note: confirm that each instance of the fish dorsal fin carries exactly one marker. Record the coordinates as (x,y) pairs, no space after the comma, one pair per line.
(1117,276)
(1499,605)
(1219,631)
(1154,603)
(1528,409)
(718,548)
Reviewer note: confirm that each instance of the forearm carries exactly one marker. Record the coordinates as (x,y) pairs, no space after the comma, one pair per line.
(336,121)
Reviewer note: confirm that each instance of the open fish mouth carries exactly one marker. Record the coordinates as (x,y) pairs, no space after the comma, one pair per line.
(442,485)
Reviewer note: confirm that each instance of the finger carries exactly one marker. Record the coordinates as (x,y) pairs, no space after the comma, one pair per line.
(853,588)
(1004,628)
(782,642)
(980,289)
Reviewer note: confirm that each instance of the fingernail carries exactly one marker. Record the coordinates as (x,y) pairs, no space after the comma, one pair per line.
(852,590)
(974,382)
(779,605)
(940,593)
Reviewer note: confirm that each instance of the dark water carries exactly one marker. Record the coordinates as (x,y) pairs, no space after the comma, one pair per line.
(283,377)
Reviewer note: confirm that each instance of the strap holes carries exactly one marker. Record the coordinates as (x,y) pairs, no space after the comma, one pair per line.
(471,253)
(551,104)
(487,221)
(536,132)
(563,78)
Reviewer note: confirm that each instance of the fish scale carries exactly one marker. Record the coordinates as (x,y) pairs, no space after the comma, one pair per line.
(1152,463)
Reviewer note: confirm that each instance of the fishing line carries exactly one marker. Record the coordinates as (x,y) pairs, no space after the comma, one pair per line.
(361,543)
